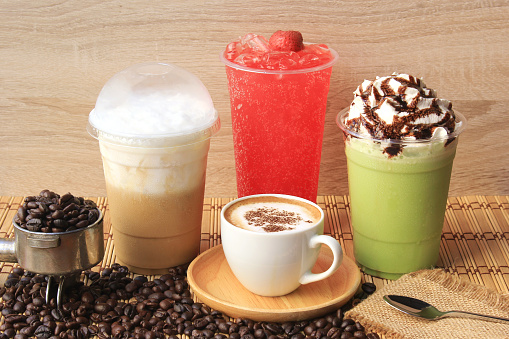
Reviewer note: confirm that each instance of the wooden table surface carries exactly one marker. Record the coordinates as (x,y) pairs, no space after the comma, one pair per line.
(55,56)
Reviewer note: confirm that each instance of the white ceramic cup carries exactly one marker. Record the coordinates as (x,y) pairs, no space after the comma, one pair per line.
(277,263)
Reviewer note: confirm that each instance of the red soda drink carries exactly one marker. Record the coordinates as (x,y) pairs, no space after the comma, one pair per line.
(278,102)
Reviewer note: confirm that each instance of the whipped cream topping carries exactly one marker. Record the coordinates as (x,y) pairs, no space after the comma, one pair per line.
(400,107)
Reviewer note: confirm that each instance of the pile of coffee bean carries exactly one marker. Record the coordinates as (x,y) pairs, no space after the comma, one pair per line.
(51,213)
(111,304)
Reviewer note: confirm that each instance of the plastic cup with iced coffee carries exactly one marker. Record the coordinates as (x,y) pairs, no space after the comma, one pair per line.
(400,143)
(154,122)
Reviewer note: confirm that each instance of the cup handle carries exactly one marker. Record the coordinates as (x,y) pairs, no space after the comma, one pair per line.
(309,277)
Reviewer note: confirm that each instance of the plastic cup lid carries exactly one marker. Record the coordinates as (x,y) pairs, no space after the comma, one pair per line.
(153,105)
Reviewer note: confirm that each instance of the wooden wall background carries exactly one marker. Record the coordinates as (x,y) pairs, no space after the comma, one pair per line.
(55,56)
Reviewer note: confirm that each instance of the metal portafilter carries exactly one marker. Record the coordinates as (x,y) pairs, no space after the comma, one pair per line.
(62,256)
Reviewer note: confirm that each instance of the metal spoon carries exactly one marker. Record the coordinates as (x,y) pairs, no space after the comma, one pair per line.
(422,309)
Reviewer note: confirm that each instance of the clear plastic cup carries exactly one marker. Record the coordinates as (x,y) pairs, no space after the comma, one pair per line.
(277,122)
(398,204)
(154,122)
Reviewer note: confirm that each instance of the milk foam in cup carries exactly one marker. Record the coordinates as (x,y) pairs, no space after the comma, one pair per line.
(272,214)
(400,143)
(154,122)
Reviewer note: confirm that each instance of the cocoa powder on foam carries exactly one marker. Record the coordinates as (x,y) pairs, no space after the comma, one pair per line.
(272,214)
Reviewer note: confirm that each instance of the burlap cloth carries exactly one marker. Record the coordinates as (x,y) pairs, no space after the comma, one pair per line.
(442,290)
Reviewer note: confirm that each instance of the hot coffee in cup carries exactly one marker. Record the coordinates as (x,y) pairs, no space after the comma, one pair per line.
(270,214)
(272,241)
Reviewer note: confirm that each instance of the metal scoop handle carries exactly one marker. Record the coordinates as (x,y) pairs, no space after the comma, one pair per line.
(8,250)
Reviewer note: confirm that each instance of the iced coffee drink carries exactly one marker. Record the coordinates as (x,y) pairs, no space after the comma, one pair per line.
(400,143)
(154,122)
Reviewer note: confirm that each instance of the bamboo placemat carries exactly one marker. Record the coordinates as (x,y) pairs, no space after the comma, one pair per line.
(475,238)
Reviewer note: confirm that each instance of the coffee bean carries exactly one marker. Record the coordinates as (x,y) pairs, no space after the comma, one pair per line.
(72,325)
(347,322)
(188,301)
(36,213)
(11,282)
(19,307)
(10,332)
(82,217)
(321,323)
(72,223)
(65,199)
(34,225)
(359,326)
(106,272)
(58,214)
(22,213)
(200,323)
(60,223)
(7,311)
(87,297)
(74,215)
(38,301)
(223,327)
(368,287)
(15,318)
(350,328)
(47,193)
(28,331)
(32,205)
(82,224)
(155,309)
(19,271)
(43,208)
(5,326)
(157,296)
(56,314)
(43,331)
(69,208)
(53,213)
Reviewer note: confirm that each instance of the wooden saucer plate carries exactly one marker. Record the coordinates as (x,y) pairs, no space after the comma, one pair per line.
(213,282)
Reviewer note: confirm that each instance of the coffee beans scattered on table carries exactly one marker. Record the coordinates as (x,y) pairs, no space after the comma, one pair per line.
(111,304)
(51,213)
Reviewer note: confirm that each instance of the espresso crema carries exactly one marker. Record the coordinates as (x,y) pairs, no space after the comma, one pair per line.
(270,214)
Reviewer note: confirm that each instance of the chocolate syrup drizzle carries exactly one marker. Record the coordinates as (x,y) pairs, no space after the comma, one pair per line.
(402,126)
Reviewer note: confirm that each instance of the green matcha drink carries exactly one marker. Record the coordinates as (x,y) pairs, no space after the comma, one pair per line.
(400,148)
